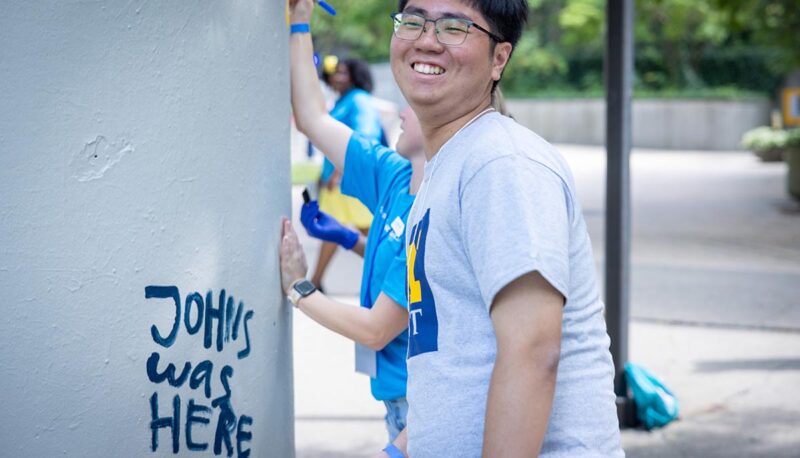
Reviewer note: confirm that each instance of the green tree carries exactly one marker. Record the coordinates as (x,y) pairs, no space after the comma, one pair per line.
(583,24)
(361,29)
(767,23)
(672,34)
(538,62)
(679,44)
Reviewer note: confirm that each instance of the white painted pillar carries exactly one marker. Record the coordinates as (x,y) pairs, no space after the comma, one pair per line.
(143,152)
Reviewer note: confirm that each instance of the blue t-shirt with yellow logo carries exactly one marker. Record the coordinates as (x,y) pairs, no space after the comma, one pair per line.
(379,178)
(356,111)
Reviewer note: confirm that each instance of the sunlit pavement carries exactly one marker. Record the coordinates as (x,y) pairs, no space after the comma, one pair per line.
(715,311)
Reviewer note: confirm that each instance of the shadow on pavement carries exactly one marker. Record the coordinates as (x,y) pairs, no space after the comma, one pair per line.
(761,432)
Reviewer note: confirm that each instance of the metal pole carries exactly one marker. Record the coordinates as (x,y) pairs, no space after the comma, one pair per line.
(619,84)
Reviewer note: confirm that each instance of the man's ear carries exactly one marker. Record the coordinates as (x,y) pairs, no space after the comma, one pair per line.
(502,52)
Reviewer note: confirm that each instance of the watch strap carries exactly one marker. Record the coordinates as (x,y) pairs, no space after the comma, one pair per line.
(295,294)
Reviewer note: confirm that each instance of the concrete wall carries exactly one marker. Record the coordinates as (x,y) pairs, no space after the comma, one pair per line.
(143,172)
(670,124)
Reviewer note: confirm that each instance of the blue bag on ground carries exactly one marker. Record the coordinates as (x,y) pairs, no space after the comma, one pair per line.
(655,404)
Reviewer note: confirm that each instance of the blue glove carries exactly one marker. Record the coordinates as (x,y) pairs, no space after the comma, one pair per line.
(325,227)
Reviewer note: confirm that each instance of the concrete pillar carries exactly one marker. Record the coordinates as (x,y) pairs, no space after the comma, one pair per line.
(144,167)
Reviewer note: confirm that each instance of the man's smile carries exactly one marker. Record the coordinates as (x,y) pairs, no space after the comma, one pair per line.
(427,69)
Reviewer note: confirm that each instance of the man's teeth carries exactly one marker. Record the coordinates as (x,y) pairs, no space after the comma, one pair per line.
(428,69)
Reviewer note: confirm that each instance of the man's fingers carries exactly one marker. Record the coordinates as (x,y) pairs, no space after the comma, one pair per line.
(289,237)
(284,225)
(290,230)
(290,241)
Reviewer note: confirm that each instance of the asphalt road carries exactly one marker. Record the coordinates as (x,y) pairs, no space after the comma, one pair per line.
(715,239)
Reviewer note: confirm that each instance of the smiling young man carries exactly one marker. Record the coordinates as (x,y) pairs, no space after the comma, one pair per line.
(508,351)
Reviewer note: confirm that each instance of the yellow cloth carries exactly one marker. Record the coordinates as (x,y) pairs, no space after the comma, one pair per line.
(347,210)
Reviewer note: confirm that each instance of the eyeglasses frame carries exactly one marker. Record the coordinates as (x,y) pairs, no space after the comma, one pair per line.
(468,22)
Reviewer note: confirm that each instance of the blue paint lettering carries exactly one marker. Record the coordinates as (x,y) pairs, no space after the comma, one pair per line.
(169,372)
(192,418)
(199,313)
(165,422)
(211,315)
(243,436)
(228,318)
(202,374)
(227,418)
(164,292)
(194,298)
(225,374)
(246,351)
(238,320)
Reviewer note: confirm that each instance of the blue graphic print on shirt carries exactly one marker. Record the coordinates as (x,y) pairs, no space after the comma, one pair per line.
(423,326)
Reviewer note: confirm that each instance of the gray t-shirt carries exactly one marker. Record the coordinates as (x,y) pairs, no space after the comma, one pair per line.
(497,202)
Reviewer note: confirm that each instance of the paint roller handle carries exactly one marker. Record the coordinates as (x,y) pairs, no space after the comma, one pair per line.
(327,7)
(300,11)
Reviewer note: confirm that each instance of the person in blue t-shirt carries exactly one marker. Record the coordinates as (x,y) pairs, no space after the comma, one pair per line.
(385,182)
(355,108)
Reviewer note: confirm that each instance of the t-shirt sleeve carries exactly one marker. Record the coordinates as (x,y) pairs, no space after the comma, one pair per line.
(365,118)
(341,111)
(515,220)
(394,284)
(369,169)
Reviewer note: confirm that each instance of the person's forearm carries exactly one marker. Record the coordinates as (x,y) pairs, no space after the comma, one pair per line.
(401,441)
(518,408)
(308,103)
(360,246)
(352,322)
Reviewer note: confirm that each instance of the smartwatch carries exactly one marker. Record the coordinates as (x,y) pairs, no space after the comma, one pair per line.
(299,290)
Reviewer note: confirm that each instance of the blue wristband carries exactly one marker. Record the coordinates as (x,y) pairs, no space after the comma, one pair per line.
(300,28)
(393,451)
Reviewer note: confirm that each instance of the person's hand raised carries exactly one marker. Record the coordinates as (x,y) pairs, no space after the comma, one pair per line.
(300,11)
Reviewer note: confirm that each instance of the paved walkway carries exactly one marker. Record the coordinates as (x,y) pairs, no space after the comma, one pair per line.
(715,306)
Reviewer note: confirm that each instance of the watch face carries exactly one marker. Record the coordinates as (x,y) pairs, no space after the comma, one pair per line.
(305,288)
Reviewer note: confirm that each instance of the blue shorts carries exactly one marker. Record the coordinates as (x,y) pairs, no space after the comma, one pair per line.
(396,411)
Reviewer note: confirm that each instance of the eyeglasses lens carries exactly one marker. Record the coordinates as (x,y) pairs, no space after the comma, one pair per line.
(449,31)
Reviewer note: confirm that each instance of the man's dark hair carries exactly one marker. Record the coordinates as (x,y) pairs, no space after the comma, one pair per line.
(359,71)
(506,18)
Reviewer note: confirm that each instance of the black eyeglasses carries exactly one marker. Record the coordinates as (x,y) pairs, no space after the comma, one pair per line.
(449,31)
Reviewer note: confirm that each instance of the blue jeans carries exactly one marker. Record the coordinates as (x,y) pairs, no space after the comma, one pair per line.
(396,411)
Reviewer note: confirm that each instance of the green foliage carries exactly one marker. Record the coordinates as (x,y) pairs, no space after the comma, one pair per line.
(690,46)
(762,139)
(362,28)
(534,66)
(793,138)
(773,23)
(583,23)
